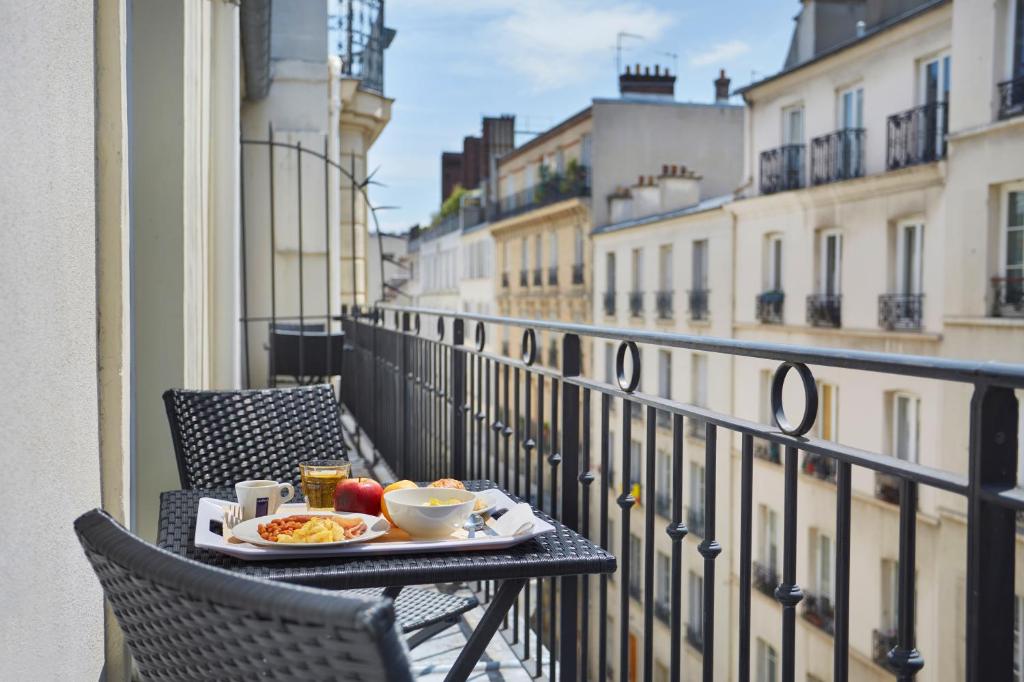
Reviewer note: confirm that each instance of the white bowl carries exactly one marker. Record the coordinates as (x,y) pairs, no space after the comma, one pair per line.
(408,508)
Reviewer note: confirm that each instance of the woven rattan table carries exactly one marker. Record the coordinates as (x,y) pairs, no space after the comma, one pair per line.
(561,552)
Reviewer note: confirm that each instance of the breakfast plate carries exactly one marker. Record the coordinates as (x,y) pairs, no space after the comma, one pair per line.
(249,531)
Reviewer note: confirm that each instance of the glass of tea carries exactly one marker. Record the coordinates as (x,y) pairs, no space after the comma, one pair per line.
(319,479)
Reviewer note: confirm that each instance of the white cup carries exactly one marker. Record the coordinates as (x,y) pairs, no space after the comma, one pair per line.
(262,497)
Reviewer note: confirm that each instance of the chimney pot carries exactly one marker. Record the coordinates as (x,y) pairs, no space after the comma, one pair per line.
(627,69)
(722,87)
(657,69)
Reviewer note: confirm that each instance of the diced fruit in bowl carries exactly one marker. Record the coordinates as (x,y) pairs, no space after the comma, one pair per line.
(397,485)
(361,495)
(412,511)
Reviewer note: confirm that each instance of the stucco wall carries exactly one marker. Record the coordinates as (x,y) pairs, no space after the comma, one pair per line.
(52,626)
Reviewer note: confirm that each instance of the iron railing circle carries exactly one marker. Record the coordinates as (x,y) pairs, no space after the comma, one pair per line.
(481,336)
(810,399)
(440,329)
(620,366)
(529,347)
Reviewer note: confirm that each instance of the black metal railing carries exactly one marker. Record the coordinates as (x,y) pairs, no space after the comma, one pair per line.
(818,611)
(699,304)
(362,39)
(769,307)
(1008,297)
(882,643)
(824,310)
(556,188)
(577,273)
(837,156)
(538,277)
(818,466)
(782,168)
(1011,96)
(434,403)
(552,275)
(636,303)
(900,311)
(768,451)
(764,578)
(504,280)
(663,303)
(916,136)
(524,278)
(609,303)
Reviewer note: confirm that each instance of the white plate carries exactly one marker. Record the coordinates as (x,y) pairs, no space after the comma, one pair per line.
(248,531)
(489,500)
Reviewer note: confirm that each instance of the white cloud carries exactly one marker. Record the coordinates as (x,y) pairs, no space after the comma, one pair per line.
(720,52)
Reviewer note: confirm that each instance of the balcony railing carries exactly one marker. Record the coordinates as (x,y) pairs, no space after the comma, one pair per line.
(916,136)
(556,188)
(577,273)
(818,610)
(362,41)
(1008,297)
(782,169)
(538,278)
(609,303)
(769,307)
(411,390)
(1011,94)
(837,156)
(900,311)
(768,451)
(636,303)
(819,466)
(553,275)
(524,278)
(764,578)
(663,302)
(504,280)
(882,642)
(824,310)
(699,304)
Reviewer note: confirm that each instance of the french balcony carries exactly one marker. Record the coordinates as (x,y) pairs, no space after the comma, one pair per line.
(663,303)
(837,156)
(524,278)
(553,275)
(782,168)
(900,312)
(882,642)
(577,273)
(824,310)
(1008,297)
(764,578)
(538,277)
(699,304)
(769,307)
(636,303)
(695,521)
(819,466)
(1011,95)
(504,280)
(768,451)
(916,136)
(819,611)
(609,303)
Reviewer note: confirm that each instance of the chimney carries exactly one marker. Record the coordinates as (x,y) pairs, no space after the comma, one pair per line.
(678,188)
(643,84)
(722,88)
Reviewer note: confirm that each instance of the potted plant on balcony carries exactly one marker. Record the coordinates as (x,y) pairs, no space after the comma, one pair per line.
(573,178)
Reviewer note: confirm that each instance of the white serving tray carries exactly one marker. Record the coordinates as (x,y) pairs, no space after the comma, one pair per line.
(211,512)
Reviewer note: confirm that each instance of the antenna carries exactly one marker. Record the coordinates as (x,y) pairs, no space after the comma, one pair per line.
(618,49)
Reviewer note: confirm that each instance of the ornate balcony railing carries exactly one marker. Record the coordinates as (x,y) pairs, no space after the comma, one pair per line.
(553,275)
(916,136)
(362,39)
(900,311)
(824,310)
(504,280)
(1008,297)
(822,468)
(764,578)
(609,303)
(663,302)
(577,273)
(636,303)
(524,278)
(1011,96)
(782,168)
(768,451)
(422,387)
(837,156)
(769,307)
(699,304)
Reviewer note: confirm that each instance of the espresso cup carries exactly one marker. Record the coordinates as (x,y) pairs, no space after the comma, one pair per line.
(262,497)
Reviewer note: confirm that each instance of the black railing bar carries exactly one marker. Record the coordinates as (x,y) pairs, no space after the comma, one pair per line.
(1003,496)
(928,367)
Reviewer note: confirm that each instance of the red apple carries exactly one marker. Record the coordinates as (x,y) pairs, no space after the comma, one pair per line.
(360,495)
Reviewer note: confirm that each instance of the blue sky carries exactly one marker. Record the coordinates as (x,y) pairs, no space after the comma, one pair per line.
(543,60)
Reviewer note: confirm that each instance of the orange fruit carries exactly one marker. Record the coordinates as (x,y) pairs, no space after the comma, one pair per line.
(397,485)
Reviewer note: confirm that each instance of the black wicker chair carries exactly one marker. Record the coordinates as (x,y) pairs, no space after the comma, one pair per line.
(186,621)
(222,437)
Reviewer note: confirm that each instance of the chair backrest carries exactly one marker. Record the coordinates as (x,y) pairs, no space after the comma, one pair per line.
(187,621)
(222,437)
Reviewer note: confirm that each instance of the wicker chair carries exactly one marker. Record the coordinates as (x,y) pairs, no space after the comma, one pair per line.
(186,621)
(222,437)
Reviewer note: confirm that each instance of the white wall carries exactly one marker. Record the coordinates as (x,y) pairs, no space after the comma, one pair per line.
(52,627)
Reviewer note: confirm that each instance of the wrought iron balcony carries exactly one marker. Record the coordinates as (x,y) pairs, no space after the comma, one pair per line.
(553,275)
(782,169)
(609,303)
(818,610)
(900,311)
(699,304)
(695,522)
(577,273)
(769,307)
(768,451)
(882,642)
(824,310)
(504,280)
(636,303)
(538,278)
(524,278)
(916,136)
(764,578)
(362,41)
(1011,95)
(819,466)
(837,156)
(1008,297)
(663,302)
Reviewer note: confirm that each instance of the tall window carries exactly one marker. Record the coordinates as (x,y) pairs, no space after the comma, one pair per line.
(694,602)
(524,254)
(700,265)
(830,262)
(578,246)
(506,257)
(1013,245)
(609,272)
(769,543)
(638,268)
(890,594)
(767,662)
(665,267)
(822,564)
(636,565)
(663,581)
(826,426)
(665,373)
(609,363)
(793,125)
(537,259)
(851,108)
(934,85)
(909,249)
(773,263)
(553,254)
(663,475)
(697,488)
(904,410)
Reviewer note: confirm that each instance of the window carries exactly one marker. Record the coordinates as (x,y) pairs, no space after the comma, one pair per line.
(934,86)
(890,593)
(636,565)
(767,662)
(665,267)
(793,125)
(609,363)
(769,533)
(909,243)
(585,150)
(663,477)
(638,268)
(1013,245)
(609,272)
(553,255)
(826,426)
(851,108)
(663,583)
(611,459)
(537,259)
(698,390)
(524,255)
(830,261)
(578,247)
(700,265)
(904,410)
(823,564)
(506,257)
(665,374)
(694,601)
(697,491)
(773,263)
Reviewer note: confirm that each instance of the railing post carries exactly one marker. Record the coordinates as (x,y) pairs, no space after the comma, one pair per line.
(570,499)
(402,397)
(991,534)
(458,384)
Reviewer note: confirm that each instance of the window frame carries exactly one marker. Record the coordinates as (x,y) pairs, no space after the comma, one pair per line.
(917,265)
(1004,229)
(914,427)
(823,275)
(857,91)
(786,132)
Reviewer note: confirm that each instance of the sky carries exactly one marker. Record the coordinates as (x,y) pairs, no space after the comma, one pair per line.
(454,61)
